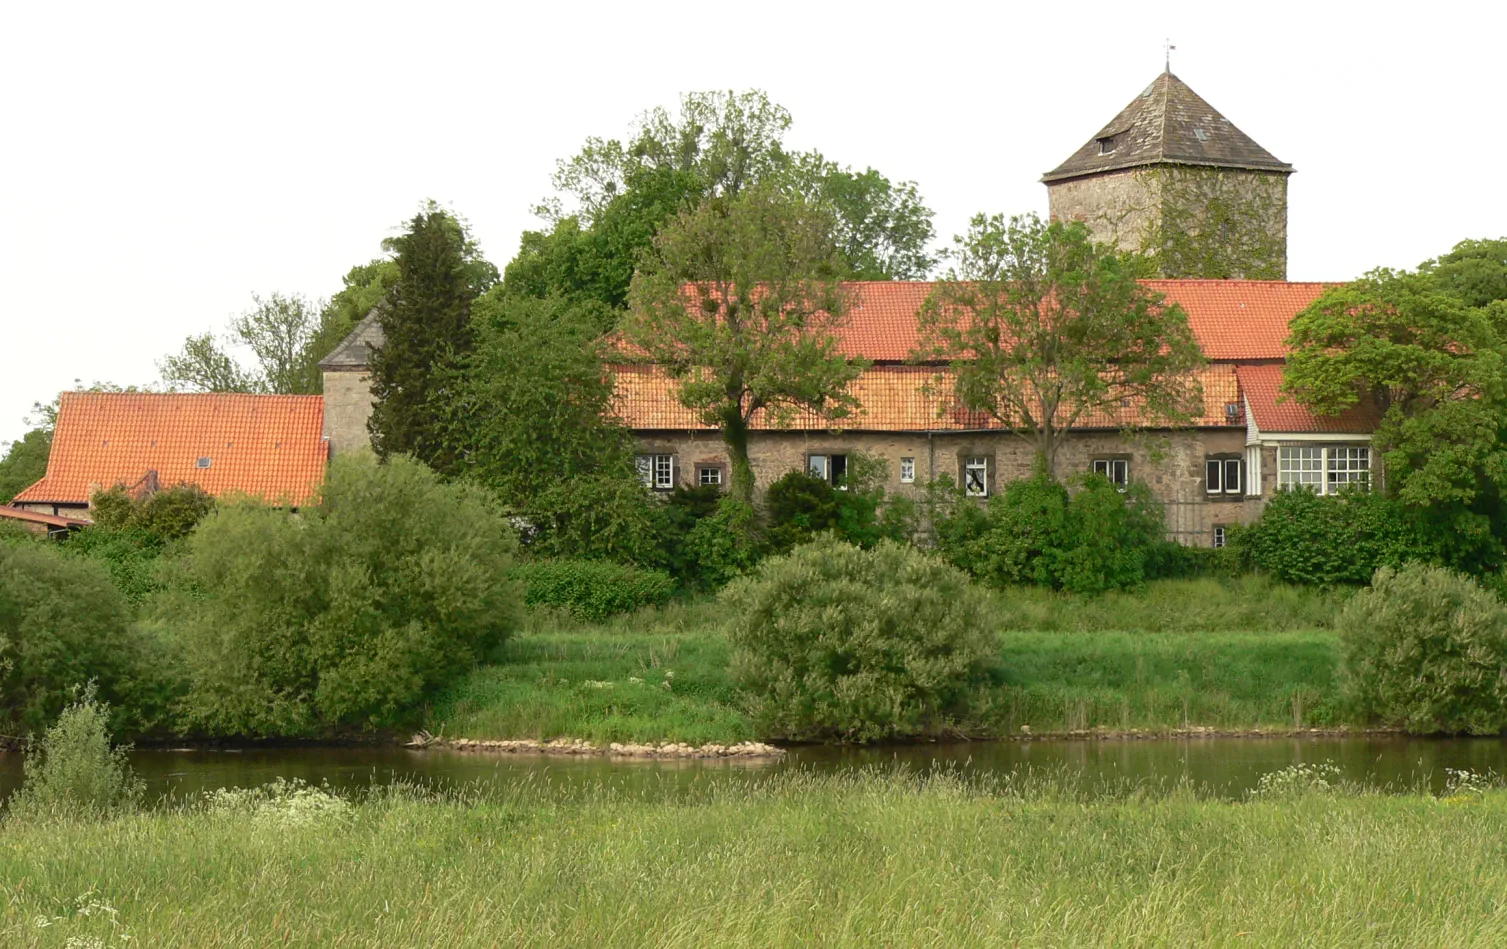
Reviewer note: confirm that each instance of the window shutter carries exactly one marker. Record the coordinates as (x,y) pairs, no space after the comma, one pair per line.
(674,472)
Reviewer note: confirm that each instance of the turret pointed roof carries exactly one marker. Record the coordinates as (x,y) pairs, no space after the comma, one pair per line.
(1169,123)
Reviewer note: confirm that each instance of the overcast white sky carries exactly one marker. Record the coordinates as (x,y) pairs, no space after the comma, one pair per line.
(159,164)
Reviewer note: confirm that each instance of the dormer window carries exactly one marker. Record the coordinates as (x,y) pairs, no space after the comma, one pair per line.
(1107,145)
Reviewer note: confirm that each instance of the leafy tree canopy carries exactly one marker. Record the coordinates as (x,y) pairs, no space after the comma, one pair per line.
(1042,328)
(25,462)
(1412,346)
(717,146)
(286,335)
(537,404)
(757,333)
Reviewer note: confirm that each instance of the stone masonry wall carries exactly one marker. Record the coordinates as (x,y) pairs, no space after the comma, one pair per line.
(1119,207)
(1172,464)
(347,406)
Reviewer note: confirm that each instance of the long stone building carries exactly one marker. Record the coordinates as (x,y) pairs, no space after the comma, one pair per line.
(1246,443)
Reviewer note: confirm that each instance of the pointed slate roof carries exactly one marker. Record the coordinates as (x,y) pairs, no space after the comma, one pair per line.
(1167,124)
(355,351)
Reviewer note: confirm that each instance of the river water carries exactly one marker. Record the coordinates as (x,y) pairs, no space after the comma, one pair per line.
(1228,767)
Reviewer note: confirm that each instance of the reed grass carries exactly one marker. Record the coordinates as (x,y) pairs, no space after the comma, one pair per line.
(861,860)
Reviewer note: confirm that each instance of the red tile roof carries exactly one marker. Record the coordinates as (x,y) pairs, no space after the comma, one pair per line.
(266,446)
(892,399)
(1231,319)
(1275,413)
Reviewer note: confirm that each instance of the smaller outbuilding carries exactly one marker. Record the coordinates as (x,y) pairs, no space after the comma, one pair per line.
(270,447)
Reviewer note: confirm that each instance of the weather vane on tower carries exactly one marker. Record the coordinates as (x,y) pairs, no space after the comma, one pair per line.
(1167,49)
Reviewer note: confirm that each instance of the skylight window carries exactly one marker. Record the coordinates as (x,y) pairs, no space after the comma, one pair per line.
(203,462)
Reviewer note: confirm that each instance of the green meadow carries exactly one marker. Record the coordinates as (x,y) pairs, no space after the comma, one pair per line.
(863,859)
(1229,655)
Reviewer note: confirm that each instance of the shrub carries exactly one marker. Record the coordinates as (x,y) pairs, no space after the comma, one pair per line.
(73,771)
(349,614)
(62,624)
(724,546)
(168,514)
(686,507)
(833,640)
(598,517)
(1035,532)
(801,506)
(1303,537)
(131,556)
(1426,648)
(592,589)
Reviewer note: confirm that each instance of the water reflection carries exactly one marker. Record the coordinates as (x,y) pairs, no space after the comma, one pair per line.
(1228,767)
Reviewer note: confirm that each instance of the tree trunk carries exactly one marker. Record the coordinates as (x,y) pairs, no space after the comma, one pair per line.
(735,436)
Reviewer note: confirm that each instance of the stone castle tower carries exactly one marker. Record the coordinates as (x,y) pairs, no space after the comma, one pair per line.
(1172,178)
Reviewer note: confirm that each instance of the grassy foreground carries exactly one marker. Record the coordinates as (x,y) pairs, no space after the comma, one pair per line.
(865,860)
(1231,655)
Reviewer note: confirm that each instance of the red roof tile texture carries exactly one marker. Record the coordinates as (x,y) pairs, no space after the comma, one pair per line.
(266,446)
(1231,319)
(1275,413)
(892,399)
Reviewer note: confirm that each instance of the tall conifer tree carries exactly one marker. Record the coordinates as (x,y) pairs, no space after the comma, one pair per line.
(426,325)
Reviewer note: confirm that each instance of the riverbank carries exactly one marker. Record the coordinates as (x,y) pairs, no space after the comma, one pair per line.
(868,859)
(1183,656)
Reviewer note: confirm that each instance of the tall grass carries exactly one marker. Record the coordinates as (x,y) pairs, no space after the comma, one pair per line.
(1232,655)
(656,675)
(1241,604)
(864,860)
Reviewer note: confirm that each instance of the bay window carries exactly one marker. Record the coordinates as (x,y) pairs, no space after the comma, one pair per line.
(1323,469)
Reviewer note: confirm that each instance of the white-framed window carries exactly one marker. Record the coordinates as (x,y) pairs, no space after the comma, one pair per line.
(1117,470)
(1323,469)
(708,475)
(1301,466)
(829,468)
(1222,476)
(656,471)
(1348,466)
(1219,536)
(976,476)
(907,470)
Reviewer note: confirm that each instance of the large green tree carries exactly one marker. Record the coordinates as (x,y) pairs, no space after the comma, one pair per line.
(426,323)
(740,303)
(622,192)
(1427,350)
(536,409)
(1043,328)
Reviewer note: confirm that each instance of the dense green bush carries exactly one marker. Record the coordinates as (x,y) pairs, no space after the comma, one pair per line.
(1035,531)
(801,506)
(73,772)
(724,545)
(351,613)
(1302,537)
(592,589)
(62,624)
(833,640)
(168,514)
(131,556)
(604,516)
(1426,648)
